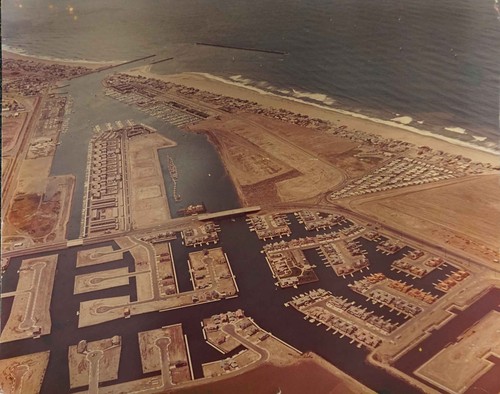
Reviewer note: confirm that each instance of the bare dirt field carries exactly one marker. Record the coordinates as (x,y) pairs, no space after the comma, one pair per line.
(30,314)
(90,311)
(101,280)
(148,199)
(40,209)
(275,154)
(108,363)
(99,255)
(457,366)
(11,129)
(23,374)
(464,214)
(250,163)
(151,353)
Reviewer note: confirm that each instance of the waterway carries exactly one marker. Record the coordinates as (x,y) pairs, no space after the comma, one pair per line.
(259,298)
(436,61)
(202,176)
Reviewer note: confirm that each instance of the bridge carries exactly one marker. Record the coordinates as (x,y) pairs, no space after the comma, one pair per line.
(229,213)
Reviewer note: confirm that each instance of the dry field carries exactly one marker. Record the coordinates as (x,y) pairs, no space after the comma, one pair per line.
(151,353)
(148,199)
(100,255)
(281,170)
(30,314)
(340,152)
(24,373)
(79,365)
(101,280)
(41,216)
(464,215)
(11,130)
(460,364)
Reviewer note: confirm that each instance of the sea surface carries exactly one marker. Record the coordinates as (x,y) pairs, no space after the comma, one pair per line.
(435,61)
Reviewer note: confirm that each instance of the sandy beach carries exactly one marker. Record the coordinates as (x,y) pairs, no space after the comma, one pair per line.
(8,54)
(355,121)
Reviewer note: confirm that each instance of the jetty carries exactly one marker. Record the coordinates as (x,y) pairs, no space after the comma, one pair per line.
(124,63)
(242,48)
(162,60)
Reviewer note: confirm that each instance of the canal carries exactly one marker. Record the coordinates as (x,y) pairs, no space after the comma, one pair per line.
(259,297)
(202,178)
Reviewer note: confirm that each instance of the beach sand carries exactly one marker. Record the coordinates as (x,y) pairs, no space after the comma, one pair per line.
(354,121)
(6,54)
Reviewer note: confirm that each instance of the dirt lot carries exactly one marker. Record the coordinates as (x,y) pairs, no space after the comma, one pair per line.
(250,163)
(463,214)
(103,254)
(42,216)
(101,280)
(24,373)
(148,200)
(31,306)
(177,354)
(79,366)
(459,365)
(295,172)
(11,129)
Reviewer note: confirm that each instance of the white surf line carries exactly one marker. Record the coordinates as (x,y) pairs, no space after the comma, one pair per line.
(353,114)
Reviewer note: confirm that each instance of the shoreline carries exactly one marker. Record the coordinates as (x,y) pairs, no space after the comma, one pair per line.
(388,128)
(12,53)
(338,116)
(402,121)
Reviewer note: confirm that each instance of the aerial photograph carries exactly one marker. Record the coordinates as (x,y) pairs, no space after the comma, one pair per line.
(250,197)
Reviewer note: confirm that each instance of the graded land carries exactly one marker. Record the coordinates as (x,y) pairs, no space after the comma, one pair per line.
(429,187)
(93,362)
(30,315)
(463,215)
(23,374)
(36,206)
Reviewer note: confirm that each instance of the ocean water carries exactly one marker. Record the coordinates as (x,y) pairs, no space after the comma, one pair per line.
(436,61)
